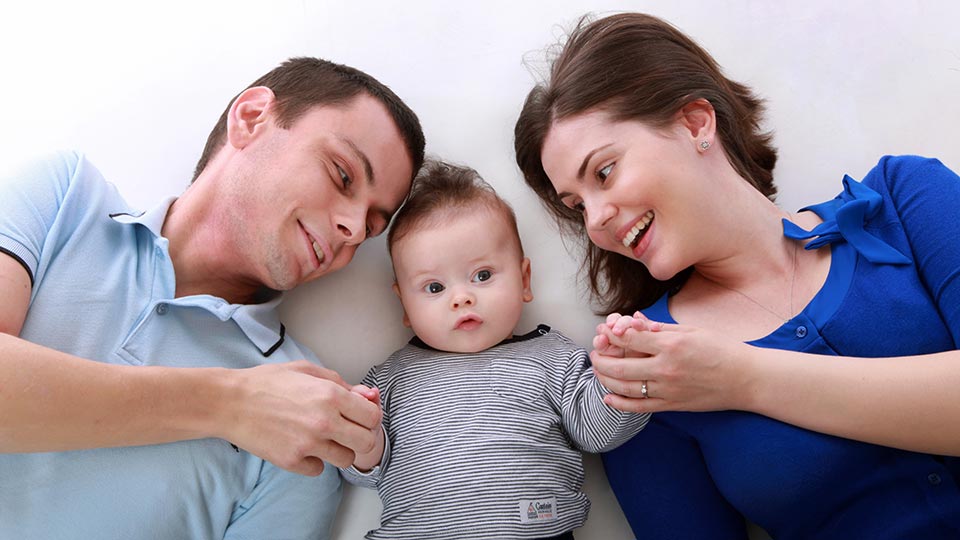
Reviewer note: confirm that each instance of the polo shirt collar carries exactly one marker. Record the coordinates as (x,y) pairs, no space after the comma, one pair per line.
(259,322)
(151,219)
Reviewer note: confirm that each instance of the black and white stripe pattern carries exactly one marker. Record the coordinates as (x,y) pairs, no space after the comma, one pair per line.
(473,438)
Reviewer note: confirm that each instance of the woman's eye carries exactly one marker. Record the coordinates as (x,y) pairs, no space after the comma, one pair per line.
(482,275)
(603,173)
(579,207)
(344,177)
(434,287)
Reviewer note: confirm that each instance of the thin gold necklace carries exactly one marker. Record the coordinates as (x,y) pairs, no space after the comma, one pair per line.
(793,280)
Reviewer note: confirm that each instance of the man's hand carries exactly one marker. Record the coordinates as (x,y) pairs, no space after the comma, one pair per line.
(366,461)
(297,415)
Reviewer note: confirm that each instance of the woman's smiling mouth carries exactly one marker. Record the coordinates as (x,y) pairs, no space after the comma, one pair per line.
(633,236)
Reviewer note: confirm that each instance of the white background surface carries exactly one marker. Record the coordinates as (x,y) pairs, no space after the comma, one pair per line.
(138,89)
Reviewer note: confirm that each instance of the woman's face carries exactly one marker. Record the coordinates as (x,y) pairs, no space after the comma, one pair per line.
(637,187)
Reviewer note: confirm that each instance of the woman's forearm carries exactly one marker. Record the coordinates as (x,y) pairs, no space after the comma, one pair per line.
(904,402)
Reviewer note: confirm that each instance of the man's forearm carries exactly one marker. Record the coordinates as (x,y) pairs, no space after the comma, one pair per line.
(52,401)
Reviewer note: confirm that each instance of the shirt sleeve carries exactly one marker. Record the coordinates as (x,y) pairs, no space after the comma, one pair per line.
(287,506)
(926,195)
(31,195)
(591,424)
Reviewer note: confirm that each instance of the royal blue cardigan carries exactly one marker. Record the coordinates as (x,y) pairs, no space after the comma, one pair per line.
(893,290)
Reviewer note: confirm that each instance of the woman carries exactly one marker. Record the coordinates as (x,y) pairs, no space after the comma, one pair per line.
(832,369)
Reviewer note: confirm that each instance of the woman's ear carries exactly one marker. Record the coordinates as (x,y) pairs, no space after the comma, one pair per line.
(248,115)
(698,121)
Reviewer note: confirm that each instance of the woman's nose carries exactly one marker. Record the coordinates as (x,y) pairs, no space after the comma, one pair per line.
(597,214)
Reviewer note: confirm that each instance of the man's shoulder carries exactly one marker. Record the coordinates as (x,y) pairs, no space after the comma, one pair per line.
(36,172)
(50,179)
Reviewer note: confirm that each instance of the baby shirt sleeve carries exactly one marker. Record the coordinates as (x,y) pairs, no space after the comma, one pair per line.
(591,424)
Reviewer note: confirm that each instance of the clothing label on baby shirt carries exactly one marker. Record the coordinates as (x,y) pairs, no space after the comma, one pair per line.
(537,510)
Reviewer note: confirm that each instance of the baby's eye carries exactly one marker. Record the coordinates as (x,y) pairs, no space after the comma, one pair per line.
(603,173)
(482,275)
(434,287)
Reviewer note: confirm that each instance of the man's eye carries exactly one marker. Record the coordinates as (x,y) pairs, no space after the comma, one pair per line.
(482,275)
(434,287)
(603,173)
(344,177)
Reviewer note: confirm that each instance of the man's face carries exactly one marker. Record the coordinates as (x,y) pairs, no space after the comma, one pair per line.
(307,196)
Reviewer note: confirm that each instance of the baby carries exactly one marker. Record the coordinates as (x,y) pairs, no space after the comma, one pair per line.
(482,427)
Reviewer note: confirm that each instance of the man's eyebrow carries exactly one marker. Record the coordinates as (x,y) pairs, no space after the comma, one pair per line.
(357,153)
(583,168)
(387,215)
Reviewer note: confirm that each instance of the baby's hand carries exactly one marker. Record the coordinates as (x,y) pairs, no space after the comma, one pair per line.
(617,325)
(372,394)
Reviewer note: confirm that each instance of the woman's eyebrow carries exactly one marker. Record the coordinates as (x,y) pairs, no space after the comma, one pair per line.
(586,160)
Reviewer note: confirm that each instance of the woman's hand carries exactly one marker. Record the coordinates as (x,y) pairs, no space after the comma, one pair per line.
(683,368)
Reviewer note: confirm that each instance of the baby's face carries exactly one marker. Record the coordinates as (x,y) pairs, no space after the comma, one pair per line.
(462,282)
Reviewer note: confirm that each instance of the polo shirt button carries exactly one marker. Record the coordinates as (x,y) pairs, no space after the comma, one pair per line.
(801,332)
(934,479)
(161,309)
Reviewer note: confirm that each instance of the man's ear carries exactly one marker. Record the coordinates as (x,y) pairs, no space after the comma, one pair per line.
(396,290)
(249,114)
(525,273)
(698,121)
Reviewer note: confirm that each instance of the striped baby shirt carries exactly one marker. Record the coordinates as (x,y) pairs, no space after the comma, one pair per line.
(487,444)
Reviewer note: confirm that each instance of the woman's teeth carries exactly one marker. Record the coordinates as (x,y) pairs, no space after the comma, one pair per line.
(641,226)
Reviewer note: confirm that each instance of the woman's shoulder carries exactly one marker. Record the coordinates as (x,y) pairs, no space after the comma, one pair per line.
(895,173)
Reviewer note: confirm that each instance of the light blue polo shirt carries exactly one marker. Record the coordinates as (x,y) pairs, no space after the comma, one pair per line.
(103,289)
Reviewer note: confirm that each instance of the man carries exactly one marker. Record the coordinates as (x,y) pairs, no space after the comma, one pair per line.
(102,308)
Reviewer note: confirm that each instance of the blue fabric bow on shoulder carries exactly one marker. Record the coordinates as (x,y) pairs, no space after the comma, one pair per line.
(843,219)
